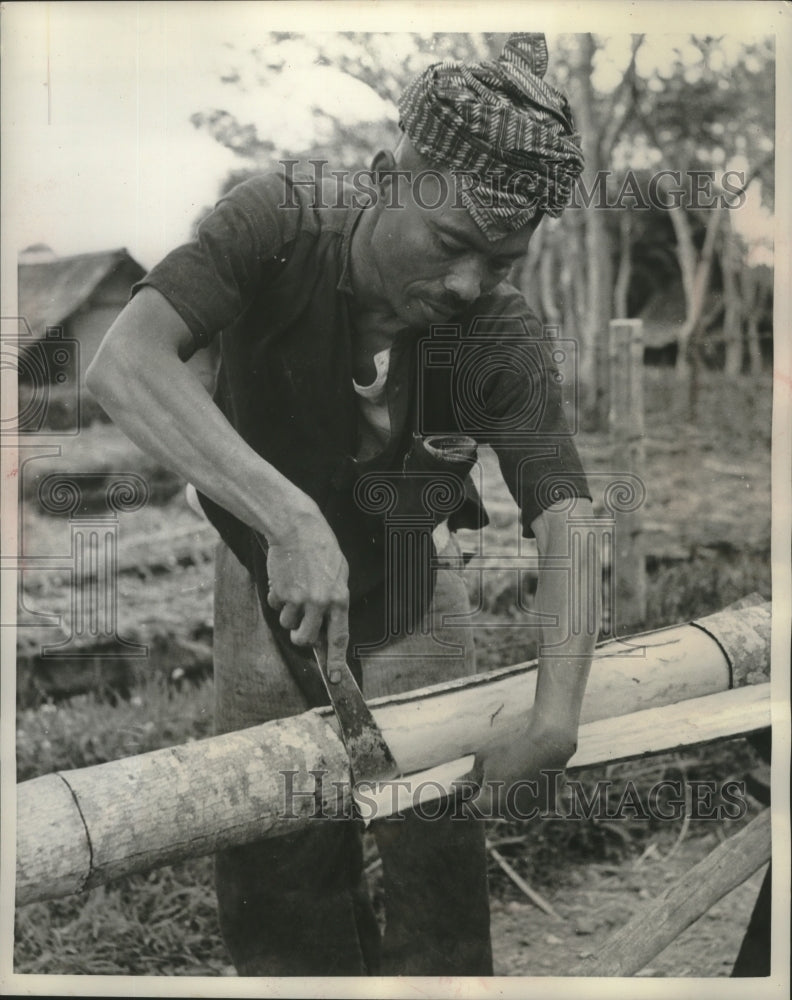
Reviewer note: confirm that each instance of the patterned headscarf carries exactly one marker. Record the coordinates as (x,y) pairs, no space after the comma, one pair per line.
(506,134)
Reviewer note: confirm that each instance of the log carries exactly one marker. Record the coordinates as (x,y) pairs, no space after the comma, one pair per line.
(683,724)
(141,812)
(655,730)
(661,921)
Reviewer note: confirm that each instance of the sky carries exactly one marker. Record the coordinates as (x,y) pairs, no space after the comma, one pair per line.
(98,149)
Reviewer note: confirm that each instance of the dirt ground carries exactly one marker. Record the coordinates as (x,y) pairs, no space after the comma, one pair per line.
(598,899)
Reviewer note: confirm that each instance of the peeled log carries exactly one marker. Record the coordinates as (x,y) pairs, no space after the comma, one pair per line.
(141,812)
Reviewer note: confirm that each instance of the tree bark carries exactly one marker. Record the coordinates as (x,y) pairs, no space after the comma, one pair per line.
(669,728)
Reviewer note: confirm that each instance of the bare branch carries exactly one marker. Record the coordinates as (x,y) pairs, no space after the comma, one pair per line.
(622,99)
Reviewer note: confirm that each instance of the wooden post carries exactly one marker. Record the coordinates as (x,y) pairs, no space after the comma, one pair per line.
(626,426)
(664,919)
(141,812)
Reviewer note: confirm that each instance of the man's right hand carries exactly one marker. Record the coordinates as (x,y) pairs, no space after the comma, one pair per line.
(159,403)
(308,584)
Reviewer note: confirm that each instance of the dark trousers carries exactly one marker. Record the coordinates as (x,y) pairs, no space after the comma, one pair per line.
(299,905)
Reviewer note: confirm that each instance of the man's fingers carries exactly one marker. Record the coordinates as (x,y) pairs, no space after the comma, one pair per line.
(290,616)
(310,627)
(273,600)
(337,639)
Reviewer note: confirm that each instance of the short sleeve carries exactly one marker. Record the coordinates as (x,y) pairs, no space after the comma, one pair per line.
(239,247)
(524,399)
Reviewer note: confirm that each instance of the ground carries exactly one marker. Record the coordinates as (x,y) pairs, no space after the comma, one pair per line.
(600,898)
(707,530)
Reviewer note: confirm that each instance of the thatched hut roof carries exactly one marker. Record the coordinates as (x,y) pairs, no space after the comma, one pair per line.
(52,289)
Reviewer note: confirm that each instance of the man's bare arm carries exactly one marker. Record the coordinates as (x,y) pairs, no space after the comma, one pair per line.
(566,649)
(550,737)
(139,379)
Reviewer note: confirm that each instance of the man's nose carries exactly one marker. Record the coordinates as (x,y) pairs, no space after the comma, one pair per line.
(464,280)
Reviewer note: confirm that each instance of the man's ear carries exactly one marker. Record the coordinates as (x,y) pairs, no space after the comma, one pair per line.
(383,166)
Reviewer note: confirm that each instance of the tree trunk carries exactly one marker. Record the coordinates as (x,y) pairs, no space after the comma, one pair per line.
(752,296)
(599,299)
(572,277)
(624,273)
(696,270)
(755,363)
(548,274)
(686,257)
(733,308)
(626,430)
(528,278)
(593,347)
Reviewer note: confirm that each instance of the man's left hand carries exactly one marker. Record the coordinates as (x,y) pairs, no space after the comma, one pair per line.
(516,778)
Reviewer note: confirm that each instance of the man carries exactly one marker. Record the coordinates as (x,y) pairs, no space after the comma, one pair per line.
(325,307)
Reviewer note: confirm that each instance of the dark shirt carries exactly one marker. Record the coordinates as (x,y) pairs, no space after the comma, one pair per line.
(274,282)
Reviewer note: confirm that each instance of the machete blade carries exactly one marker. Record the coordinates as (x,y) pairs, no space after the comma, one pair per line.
(370,758)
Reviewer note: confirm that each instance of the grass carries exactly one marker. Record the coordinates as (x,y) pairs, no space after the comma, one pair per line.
(160,923)
(165,922)
(87,730)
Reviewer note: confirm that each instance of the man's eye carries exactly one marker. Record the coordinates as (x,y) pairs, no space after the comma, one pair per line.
(443,245)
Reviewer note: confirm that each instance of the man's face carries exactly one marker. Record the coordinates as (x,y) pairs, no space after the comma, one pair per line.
(433,262)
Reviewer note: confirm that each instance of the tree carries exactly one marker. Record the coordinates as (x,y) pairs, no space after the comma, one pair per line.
(347,116)
(712,108)
(577,261)
(379,64)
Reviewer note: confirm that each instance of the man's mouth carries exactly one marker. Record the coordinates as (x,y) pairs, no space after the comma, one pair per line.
(437,310)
